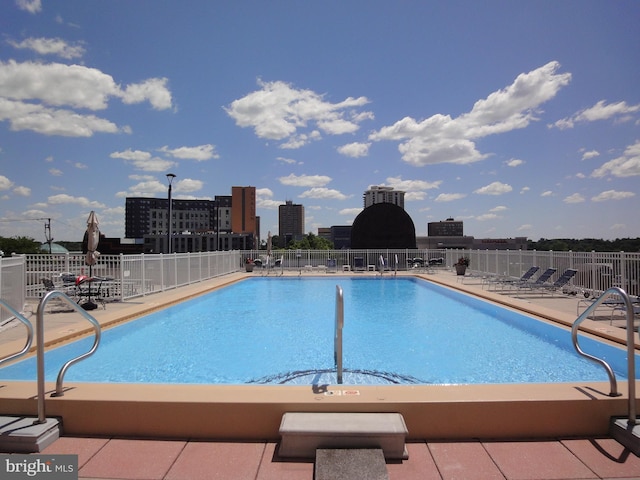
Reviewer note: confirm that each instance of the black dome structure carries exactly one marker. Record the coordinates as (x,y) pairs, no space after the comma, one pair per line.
(383,225)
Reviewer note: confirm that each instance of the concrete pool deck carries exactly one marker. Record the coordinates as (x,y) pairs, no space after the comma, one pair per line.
(434,414)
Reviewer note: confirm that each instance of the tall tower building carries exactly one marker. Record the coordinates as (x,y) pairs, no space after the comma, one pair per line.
(290,222)
(243,210)
(381,194)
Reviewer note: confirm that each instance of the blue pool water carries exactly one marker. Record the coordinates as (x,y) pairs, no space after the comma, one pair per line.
(281,330)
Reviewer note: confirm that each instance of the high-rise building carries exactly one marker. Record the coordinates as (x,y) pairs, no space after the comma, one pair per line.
(243,210)
(382,194)
(196,225)
(290,222)
(446,228)
(150,216)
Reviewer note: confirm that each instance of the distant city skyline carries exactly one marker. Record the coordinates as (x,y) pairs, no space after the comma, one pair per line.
(518,118)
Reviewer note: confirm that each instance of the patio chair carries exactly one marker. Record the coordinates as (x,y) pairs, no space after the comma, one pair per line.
(506,282)
(541,280)
(560,283)
(332,265)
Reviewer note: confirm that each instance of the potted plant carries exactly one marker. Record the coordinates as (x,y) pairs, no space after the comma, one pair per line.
(249,264)
(461,265)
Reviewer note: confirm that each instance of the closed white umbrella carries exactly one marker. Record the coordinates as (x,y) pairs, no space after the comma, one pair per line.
(93,237)
(91,258)
(269,241)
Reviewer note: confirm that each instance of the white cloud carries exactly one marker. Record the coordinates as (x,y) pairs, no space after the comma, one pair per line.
(63,198)
(147,188)
(31,6)
(188,185)
(289,161)
(525,227)
(499,208)
(612,195)
(323,193)
(50,121)
(600,111)
(355,149)
(575,198)
(305,180)
(133,155)
(56,172)
(412,185)
(5,183)
(50,46)
(487,216)
(22,191)
(449,197)
(30,93)
(547,193)
(495,188)
(514,162)
(199,153)
(297,141)
(350,211)
(590,154)
(153,90)
(628,165)
(264,199)
(442,139)
(279,111)
(144,161)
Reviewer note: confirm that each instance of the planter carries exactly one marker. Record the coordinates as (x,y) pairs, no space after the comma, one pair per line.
(249,267)
(461,269)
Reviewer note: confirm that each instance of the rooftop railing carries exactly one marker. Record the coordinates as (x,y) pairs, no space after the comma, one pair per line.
(131,276)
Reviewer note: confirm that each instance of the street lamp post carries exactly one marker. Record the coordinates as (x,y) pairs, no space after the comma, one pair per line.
(170,177)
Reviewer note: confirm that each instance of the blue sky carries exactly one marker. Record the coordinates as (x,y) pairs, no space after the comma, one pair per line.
(519,118)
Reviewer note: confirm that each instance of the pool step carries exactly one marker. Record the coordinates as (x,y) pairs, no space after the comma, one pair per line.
(625,434)
(24,435)
(341,464)
(302,433)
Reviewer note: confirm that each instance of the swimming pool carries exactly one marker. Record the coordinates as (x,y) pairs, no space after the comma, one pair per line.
(280,330)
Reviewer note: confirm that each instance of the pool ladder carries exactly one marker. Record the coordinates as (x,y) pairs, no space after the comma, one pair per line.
(40,347)
(625,434)
(337,337)
(18,316)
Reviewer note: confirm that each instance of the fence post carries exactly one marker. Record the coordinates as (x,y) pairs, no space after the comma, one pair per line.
(623,273)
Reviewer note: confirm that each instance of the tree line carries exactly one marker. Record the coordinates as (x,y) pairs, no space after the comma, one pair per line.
(586,245)
(27,245)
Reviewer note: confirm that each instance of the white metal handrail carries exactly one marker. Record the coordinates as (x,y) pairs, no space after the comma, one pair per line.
(40,347)
(631,367)
(27,324)
(337,340)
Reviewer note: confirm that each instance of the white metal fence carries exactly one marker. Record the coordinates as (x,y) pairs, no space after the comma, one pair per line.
(12,275)
(136,275)
(597,271)
(127,276)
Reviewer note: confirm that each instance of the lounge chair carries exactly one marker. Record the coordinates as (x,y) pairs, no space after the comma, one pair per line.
(541,280)
(506,282)
(614,303)
(332,265)
(560,283)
